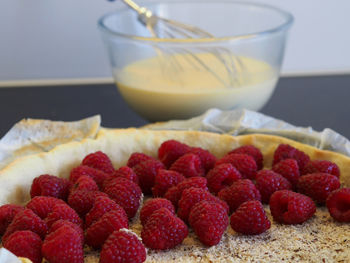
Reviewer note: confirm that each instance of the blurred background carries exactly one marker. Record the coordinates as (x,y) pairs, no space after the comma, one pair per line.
(57,42)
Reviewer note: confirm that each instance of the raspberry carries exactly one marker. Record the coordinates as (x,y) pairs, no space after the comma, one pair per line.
(125,193)
(127,173)
(7,213)
(99,161)
(253,152)
(124,172)
(174,193)
(285,151)
(25,244)
(288,207)
(163,230)
(164,180)
(65,212)
(101,206)
(60,223)
(137,158)
(338,204)
(244,163)
(209,221)
(171,150)
(189,165)
(192,196)
(43,205)
(238,193)
(321,166)
(250,219)
(152,205)
(99,231)
(146,172)
(26,220)
(208,160)
(289,169)
(49,185)
(318,186)
(123,247)
(63,246)
(268,182)
(82,201)
(84,182)
(222,176)
(97,175)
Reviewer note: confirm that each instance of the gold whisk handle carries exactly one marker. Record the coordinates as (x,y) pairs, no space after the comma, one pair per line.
(145,15)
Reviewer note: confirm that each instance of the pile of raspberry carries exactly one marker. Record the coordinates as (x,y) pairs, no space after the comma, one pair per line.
(190,188)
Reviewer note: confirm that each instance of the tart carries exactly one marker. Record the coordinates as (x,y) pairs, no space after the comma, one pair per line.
(318,239)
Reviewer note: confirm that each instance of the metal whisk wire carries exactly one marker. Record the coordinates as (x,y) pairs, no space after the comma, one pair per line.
(166,28)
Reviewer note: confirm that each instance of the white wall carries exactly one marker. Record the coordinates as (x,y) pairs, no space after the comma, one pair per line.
(58,39)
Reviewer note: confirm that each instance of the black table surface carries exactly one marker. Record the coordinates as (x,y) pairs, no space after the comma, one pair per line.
(319,101)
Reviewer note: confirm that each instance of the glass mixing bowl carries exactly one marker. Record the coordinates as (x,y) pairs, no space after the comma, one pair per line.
(163,78)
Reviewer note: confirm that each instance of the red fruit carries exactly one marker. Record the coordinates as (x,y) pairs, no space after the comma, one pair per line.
(171,150)
(7,213)
(137,158)
(238,193)
(253,152)
(63,246)
(82,201)
(208,160)
(288,207)
(49,185)
(318,186)
(174,193)
(64,212)
(250,219)
(99,161)
(285,151)
(152,205)
(25,244)
(289,169)
(244,163)
(146,172)
(102,205)
(97,175)
(125,193)
(99,231)
(163,230)
(222,176)
(59,223)
(123,172)
(123,247)
(189,165)
(209,221)
(338,204)
(192,196)
(43,205)
(127,173)
(164,180)
(26,220)
(84,182)
(268,182)
(321,166)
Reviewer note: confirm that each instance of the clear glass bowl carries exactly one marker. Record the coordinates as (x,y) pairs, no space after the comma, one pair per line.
(163,79)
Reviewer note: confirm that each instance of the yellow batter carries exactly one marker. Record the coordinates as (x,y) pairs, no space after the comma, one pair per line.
(178,87)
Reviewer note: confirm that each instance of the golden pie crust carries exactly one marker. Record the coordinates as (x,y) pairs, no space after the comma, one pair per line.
(317,239)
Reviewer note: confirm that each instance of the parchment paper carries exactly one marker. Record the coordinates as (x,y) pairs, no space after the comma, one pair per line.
(241,121)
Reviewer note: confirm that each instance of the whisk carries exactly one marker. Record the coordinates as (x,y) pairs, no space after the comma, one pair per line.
(166,28)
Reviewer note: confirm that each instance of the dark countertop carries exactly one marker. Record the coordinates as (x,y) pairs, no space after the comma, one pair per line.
(320,102)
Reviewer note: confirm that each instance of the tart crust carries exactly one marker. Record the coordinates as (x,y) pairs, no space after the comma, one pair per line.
(317,239)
